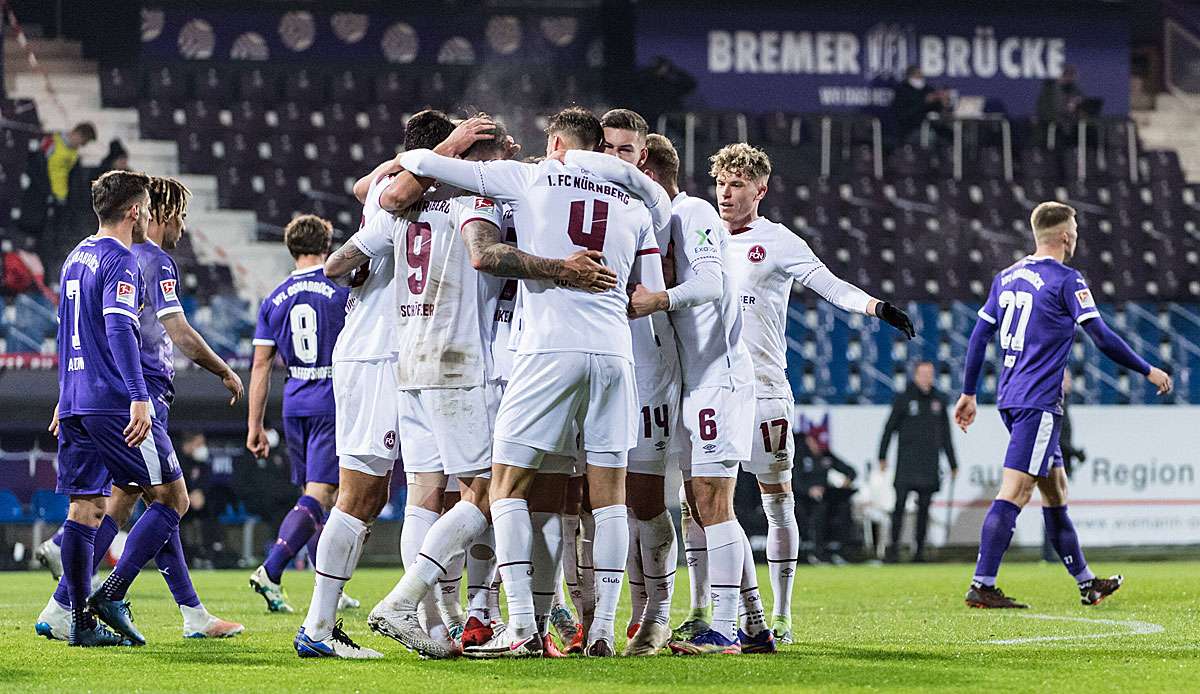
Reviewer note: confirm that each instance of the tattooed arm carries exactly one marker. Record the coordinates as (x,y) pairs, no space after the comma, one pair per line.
(341,265)
(489,254)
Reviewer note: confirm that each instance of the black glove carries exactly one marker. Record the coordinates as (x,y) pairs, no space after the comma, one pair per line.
(893,316)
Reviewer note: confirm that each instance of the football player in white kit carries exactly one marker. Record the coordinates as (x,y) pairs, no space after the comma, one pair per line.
(573,366)
(766,258)
(717,396)
(364,386)
(447,397)
(653,551)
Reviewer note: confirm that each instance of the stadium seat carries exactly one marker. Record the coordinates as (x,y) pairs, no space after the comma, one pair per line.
(11,510)
(48,506)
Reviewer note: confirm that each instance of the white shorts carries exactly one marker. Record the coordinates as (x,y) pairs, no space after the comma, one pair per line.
(552,395)
(658,418)
(773,448)
(448,430)
(716,426)
(366,420)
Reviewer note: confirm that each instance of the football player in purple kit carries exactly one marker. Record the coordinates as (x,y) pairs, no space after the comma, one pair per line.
(1035,304)
(105,420)
(162,324)
(300,319)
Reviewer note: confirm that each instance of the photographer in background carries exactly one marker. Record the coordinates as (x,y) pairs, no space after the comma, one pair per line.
(822,503)
(921,417)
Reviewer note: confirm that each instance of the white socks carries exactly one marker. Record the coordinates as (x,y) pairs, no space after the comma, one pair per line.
(444,546)
(726,554)
(338,551)
(417,522)
(609,551)
(753,620)
(634,575)
(783,547)
(514,539)
(481,571)
(546,554)
(660,555)
(695,550)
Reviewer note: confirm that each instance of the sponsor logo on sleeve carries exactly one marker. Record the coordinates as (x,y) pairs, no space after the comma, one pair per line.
(1084,297)
(756,254)
(168,290)
(126,293)
(484,204)
(703,238)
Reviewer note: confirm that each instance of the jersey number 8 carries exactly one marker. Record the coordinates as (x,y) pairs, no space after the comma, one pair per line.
(303,320)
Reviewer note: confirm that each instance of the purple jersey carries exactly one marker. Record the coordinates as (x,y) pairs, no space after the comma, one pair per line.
(99,277)
(1037,301)
(161,277)
(302,318)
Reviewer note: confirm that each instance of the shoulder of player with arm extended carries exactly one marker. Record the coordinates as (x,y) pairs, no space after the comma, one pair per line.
(627,176)
(192,343)
(1113,346)
(498,179)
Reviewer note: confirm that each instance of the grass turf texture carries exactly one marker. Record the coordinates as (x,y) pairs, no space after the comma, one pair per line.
(856,627)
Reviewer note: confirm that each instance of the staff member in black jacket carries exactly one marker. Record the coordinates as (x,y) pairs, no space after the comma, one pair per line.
(923,420)
(823,509)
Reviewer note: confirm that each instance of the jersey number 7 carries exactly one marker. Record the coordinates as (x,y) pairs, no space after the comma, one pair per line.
(593,240)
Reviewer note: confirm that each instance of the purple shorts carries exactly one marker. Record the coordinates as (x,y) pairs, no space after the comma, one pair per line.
(92,455)
(312,449)
(1033,446)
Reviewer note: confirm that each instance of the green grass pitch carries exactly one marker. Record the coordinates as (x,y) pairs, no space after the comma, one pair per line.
(857,628)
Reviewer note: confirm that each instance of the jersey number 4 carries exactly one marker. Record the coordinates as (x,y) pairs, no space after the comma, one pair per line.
(593,239)
(1017,306)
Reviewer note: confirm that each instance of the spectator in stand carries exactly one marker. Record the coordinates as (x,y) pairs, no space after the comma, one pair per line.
(117,158)
(823,504)
(662,87)
(921,417)
(915,102)
(1059,103)
(61,151)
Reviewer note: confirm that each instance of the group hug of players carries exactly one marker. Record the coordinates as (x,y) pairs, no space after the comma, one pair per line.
(541,339)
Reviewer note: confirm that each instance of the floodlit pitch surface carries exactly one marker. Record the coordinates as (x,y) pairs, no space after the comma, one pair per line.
(856,627)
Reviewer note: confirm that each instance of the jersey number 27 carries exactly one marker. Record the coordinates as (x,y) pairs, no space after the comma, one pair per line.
(1018,306)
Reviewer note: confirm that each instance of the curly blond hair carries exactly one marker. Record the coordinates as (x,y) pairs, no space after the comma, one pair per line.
(168,199)
(741,159)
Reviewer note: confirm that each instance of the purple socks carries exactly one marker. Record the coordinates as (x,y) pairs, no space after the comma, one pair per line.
(994,539)
(78,541)
(174,569)
(57,539)
(301,524)
(1061,532)
(102,538)
(146,539)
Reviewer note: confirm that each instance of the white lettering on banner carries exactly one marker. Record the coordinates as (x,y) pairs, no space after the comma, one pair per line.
(1134,489)
(888,53)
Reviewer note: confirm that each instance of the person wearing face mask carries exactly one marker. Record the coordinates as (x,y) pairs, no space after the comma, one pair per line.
(914,101)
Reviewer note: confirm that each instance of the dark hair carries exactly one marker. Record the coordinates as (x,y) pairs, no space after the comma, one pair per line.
(86,129)
(115,192)
(168,199)
(911,70)
(579,125)
(486,149)
(662,159)
(426,129)
(308,234)
(624,119)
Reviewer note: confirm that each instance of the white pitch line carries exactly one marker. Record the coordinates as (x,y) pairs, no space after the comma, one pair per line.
(1131,628)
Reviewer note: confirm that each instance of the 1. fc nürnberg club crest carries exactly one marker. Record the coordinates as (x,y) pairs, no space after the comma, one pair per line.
(756,254)
(389,440)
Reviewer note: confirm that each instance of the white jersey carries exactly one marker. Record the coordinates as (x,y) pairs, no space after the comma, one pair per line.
(655,350)
(712,352)
(765,259)
(444,307)
(366,337)
(506,290)
(560,210)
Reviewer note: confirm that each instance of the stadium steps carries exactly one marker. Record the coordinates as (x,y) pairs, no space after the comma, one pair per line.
(1172,125)
(224,236)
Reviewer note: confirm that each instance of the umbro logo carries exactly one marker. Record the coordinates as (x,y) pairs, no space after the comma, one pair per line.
(659,445)
(710,447)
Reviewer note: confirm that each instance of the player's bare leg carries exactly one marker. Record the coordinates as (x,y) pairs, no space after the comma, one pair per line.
(658,550)
(573,537)
(361,498)
(783,548)
(1092,590)
(168,503)
(726,551)
(546,497)
(1016,488)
